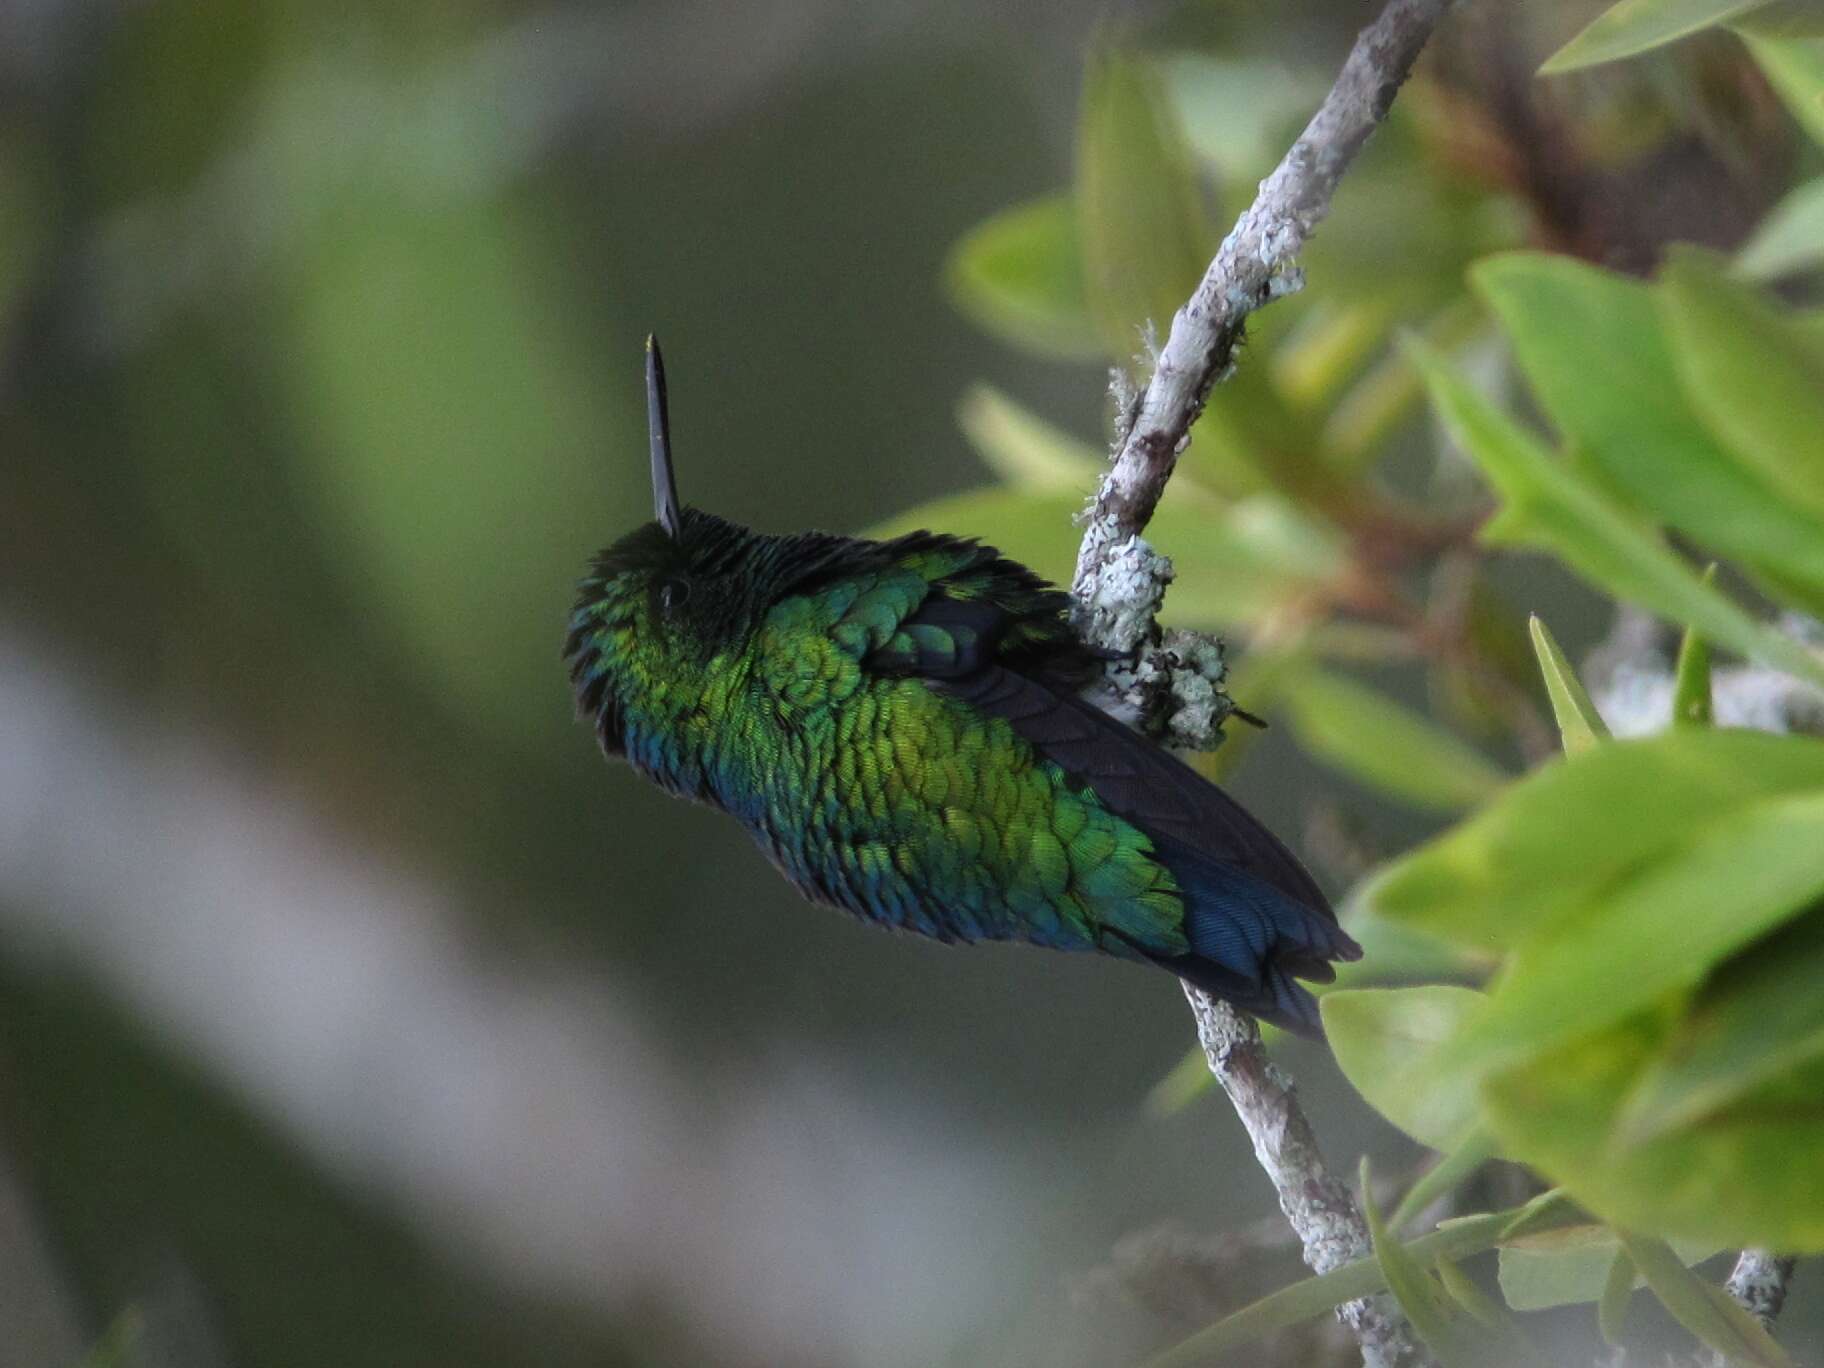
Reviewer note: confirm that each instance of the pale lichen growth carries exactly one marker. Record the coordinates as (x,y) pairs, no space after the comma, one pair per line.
(1116,608)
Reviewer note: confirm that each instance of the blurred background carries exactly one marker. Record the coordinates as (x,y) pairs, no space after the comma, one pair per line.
(352,1011)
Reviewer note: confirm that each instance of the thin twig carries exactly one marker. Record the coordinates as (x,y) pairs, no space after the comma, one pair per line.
(1119,582)
(1252,267)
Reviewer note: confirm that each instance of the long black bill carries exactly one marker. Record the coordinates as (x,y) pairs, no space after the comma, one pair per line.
(665,506)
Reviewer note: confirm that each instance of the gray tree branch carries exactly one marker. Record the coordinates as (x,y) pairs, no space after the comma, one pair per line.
(1120,581)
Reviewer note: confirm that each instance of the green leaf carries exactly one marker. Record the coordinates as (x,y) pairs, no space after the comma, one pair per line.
(1706,1311)
(1027,452)
(1617,1291)
(1760,1016)
(1634,26)
(1634,423)
(1367,734)
(1393,953)
(1232,565)
(1560,1113)
(1691,702)
(448,437)
(1019,276)
(1790,238)
(1571,1265)
(1563,832)
(1613,956)
(1548,506)
(1188,1080)
(1315,1296)
(1238,113)
(117,1345)
(1753,377)
(1579,723)
(1795,67)
(1456,1334)
(1384,1040)
(1140,218)
(1783,19)
(1473,1151)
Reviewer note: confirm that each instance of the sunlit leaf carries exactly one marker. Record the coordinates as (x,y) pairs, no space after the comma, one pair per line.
(1634,26)
(1790,238)
(1027,452)
(1756,380)
(1593,967)
(1705,1310)
(1019,275)
(1548,506)
(1385,1040)
(1558,836)
(1637,427)
(1579,723)
(1367,734)
(1140,219)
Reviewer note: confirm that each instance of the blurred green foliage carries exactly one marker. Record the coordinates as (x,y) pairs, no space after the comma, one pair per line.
(1645,912)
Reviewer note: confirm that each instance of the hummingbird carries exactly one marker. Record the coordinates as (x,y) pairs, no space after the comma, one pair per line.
(899,725)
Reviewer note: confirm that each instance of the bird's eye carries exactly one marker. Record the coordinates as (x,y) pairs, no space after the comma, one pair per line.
(673,594)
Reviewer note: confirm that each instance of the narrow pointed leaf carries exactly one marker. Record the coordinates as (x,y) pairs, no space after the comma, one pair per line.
(1548,506)
(1140,217)
(1459,1338)
(1706,1311)
(1753,376)
(1468,1155)
(1790,238)
(1317,1296)
(1634,26)
(1795,67)
(1617,1292)
(1579,723)
(1637,427)
(1022,448)
(1691,702)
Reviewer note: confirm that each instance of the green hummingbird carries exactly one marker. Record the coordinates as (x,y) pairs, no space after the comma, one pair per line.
(899,726)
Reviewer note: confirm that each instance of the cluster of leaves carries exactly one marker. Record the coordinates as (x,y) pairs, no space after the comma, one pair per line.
(1645,917)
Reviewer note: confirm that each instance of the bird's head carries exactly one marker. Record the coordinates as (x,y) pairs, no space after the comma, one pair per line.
(662,612)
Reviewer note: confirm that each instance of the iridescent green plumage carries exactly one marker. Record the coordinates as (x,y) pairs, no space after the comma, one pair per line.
(897,724)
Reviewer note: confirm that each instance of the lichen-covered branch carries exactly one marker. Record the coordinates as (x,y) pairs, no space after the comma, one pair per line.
(1758,1281)
(1317,1205)
(1120,581)
(1253,266)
